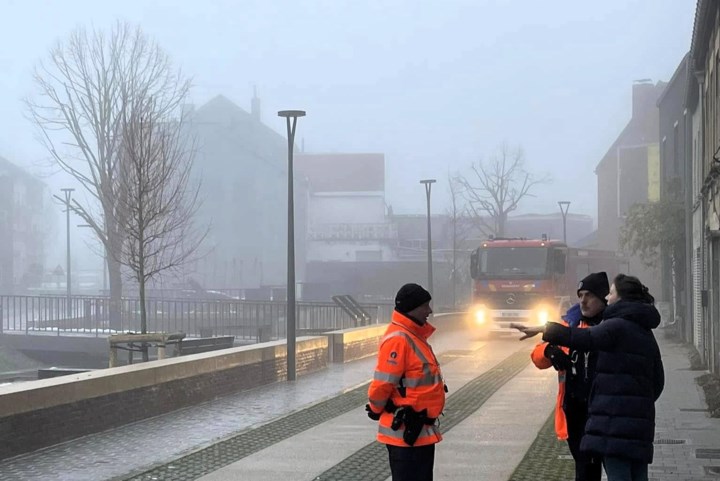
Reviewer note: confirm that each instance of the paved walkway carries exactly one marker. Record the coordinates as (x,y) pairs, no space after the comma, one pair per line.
(687,440)
(497,427)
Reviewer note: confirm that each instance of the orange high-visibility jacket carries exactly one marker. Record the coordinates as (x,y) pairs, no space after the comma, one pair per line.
(541,362)
(405,354)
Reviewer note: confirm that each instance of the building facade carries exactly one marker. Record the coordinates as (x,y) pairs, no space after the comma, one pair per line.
(24,225)
(629,173)
(674,173)
(241,165)
(703,108)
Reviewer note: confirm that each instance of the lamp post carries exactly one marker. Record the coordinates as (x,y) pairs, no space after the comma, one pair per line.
(564,206)
(291,117)
(428,187)
(66,200)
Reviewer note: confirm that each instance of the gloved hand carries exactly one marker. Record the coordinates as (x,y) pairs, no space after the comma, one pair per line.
(371,414)
(390,406)
(558,358)
(527,331)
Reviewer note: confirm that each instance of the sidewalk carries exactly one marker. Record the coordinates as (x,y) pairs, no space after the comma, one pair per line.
(487,428)
(687,440)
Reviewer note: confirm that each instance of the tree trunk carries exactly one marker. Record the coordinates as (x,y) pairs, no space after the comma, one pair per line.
(500,223)
(115,278)
(143,319)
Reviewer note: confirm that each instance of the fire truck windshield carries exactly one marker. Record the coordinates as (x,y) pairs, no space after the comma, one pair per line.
(504,262)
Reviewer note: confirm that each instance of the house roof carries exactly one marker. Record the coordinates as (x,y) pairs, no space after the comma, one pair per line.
(680,75)
(222,126)
(6,165)
(702,28)
(635,130)
(342,172)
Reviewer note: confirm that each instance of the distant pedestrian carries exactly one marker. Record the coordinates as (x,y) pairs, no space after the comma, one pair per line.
(629,378)
(576,372)
(407,393)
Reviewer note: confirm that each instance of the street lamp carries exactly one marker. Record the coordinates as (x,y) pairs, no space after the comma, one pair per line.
(66,200)
(564,206)
(291,117)
(428,187)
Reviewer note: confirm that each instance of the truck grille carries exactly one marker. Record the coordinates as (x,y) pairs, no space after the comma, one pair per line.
(509,300)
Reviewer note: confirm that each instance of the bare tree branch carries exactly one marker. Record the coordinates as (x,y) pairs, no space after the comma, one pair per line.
(496,189)
(157,213)
(84,89)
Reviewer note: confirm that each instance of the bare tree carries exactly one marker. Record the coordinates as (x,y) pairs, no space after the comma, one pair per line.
(157,211)
(497,187)
(83,90)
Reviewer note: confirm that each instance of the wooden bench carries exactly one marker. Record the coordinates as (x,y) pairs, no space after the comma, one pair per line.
(204,344)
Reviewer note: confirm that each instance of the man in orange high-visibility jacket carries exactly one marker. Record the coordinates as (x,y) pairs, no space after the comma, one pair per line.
(576,371)
(407,393)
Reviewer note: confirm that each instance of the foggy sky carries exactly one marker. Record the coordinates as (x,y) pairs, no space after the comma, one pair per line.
(432,85)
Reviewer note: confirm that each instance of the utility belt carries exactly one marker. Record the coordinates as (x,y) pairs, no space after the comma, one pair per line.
(413,421)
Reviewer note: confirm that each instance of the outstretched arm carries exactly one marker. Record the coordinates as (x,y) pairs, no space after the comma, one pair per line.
(586,339)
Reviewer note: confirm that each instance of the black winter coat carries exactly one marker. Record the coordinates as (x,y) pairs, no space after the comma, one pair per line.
(629,378)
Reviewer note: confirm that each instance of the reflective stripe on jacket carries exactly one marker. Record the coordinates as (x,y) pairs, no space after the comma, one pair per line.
(541,362)
(405,354)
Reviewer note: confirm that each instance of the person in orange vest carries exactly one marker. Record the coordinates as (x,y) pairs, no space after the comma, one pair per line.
(576,371)
(407,393)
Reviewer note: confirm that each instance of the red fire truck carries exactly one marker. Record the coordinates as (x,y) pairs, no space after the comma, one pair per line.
(530,280)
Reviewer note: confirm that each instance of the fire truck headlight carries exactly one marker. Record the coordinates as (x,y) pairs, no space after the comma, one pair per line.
(543,316)
(480,315)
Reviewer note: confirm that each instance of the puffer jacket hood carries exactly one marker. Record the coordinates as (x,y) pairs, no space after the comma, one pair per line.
(646,315)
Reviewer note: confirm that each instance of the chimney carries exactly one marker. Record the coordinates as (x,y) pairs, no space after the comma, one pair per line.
(644,97)
(255,105)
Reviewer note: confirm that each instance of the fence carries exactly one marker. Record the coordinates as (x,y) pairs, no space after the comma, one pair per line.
(243,319)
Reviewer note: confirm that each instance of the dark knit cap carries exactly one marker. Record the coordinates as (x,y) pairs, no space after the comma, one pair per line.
(409,297)
(597,283)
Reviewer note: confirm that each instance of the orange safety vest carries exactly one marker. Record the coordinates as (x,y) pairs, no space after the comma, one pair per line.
(405,354)
(541,362)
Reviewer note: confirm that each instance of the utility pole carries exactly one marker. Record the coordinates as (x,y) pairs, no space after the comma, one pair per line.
(66,200)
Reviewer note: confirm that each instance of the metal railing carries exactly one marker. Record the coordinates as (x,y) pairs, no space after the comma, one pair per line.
(243,319)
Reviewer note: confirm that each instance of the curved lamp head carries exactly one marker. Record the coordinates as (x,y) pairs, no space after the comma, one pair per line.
(291,113)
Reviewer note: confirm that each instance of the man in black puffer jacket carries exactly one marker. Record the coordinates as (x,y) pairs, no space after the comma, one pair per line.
(629,378)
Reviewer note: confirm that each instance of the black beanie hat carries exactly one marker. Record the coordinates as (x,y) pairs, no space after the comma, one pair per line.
(409,297)
(597,283)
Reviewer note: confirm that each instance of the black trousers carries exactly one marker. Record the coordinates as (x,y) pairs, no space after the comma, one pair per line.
(411,463)
(586,467)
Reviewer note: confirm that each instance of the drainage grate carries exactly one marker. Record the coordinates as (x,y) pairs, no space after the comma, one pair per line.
(703,453)
(693,410)
(669,441)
